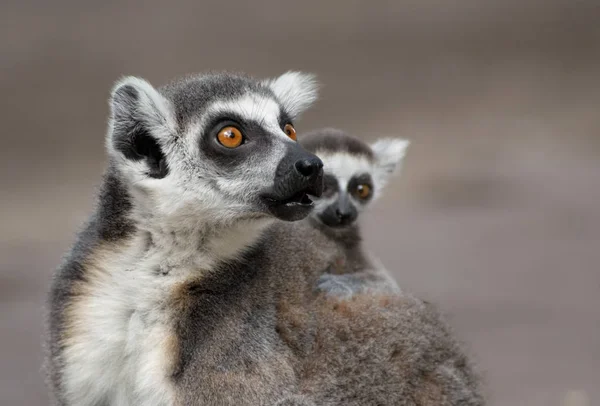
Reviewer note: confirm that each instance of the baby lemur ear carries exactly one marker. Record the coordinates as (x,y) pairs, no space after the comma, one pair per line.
(296,91)
(141,122)
(389,153)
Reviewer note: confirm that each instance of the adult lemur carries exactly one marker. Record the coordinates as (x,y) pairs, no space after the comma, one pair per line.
(355,175)
(182,289)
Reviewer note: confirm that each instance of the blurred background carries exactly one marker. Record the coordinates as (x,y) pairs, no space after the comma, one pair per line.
(495,215)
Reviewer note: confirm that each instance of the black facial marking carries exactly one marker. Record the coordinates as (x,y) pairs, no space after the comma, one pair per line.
(298,174)
(362,179)
(340,213)
(284,119)
(257,141)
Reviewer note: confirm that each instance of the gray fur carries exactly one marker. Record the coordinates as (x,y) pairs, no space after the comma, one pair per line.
(334,140)
(385,350)
(191,94)
(374,348)
(182,290)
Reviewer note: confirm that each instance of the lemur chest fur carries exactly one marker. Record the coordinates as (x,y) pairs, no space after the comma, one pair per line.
(120,345)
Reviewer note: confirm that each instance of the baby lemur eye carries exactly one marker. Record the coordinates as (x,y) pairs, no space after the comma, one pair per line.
(363,191)
(230,137)
(290,131)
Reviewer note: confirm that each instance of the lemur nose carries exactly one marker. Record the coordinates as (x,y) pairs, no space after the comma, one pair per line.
(342,215)
(308,167)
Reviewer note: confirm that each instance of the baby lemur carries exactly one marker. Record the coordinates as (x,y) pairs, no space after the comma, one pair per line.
(193,281)
(369,343)
(355,175)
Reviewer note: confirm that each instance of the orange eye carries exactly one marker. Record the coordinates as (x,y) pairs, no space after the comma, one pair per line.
(230,137)
(290,131)
(363,191)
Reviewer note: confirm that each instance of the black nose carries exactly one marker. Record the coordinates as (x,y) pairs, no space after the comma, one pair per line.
(343,215)
(308,167)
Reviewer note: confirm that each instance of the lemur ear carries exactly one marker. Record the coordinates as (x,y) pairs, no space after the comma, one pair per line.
(295,90)
(141,120)
(389,153)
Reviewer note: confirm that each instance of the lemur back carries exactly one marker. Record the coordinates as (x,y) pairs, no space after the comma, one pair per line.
(377,349)
(355,175)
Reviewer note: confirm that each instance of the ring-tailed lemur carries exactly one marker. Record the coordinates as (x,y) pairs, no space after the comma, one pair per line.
(166,298)
(180,290)
(355,175)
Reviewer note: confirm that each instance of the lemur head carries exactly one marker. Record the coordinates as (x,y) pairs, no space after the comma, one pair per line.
(215,146)
(355,172)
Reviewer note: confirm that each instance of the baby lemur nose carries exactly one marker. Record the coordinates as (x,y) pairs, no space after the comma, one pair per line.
(343,215)
(308,167)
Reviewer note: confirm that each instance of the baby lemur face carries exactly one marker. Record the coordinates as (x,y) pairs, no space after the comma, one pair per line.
(214,145)
(355,172)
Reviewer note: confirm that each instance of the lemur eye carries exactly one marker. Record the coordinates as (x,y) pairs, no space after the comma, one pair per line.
(230,137)
(363,191)
(290,131)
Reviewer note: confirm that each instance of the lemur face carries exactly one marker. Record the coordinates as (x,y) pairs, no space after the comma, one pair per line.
(355,173)
(348,188)
(215,145)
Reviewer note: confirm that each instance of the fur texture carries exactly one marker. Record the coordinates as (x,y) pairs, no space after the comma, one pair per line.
(349,163)
(166,279)
(183,290)
(385,350)
(368,343)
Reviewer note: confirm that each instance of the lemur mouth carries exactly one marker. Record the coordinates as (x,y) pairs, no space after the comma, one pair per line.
(298,199)
(289,199)
(292,208)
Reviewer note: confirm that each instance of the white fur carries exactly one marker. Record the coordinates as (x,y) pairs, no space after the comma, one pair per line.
(389,152)
(252,107)
(295,90)
(117,352)
(119,333)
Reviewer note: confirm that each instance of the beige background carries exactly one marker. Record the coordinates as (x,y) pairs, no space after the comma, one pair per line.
(495,217)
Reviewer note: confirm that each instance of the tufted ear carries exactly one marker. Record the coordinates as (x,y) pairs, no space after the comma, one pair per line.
(295,90)
(141,120)
(389,153)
